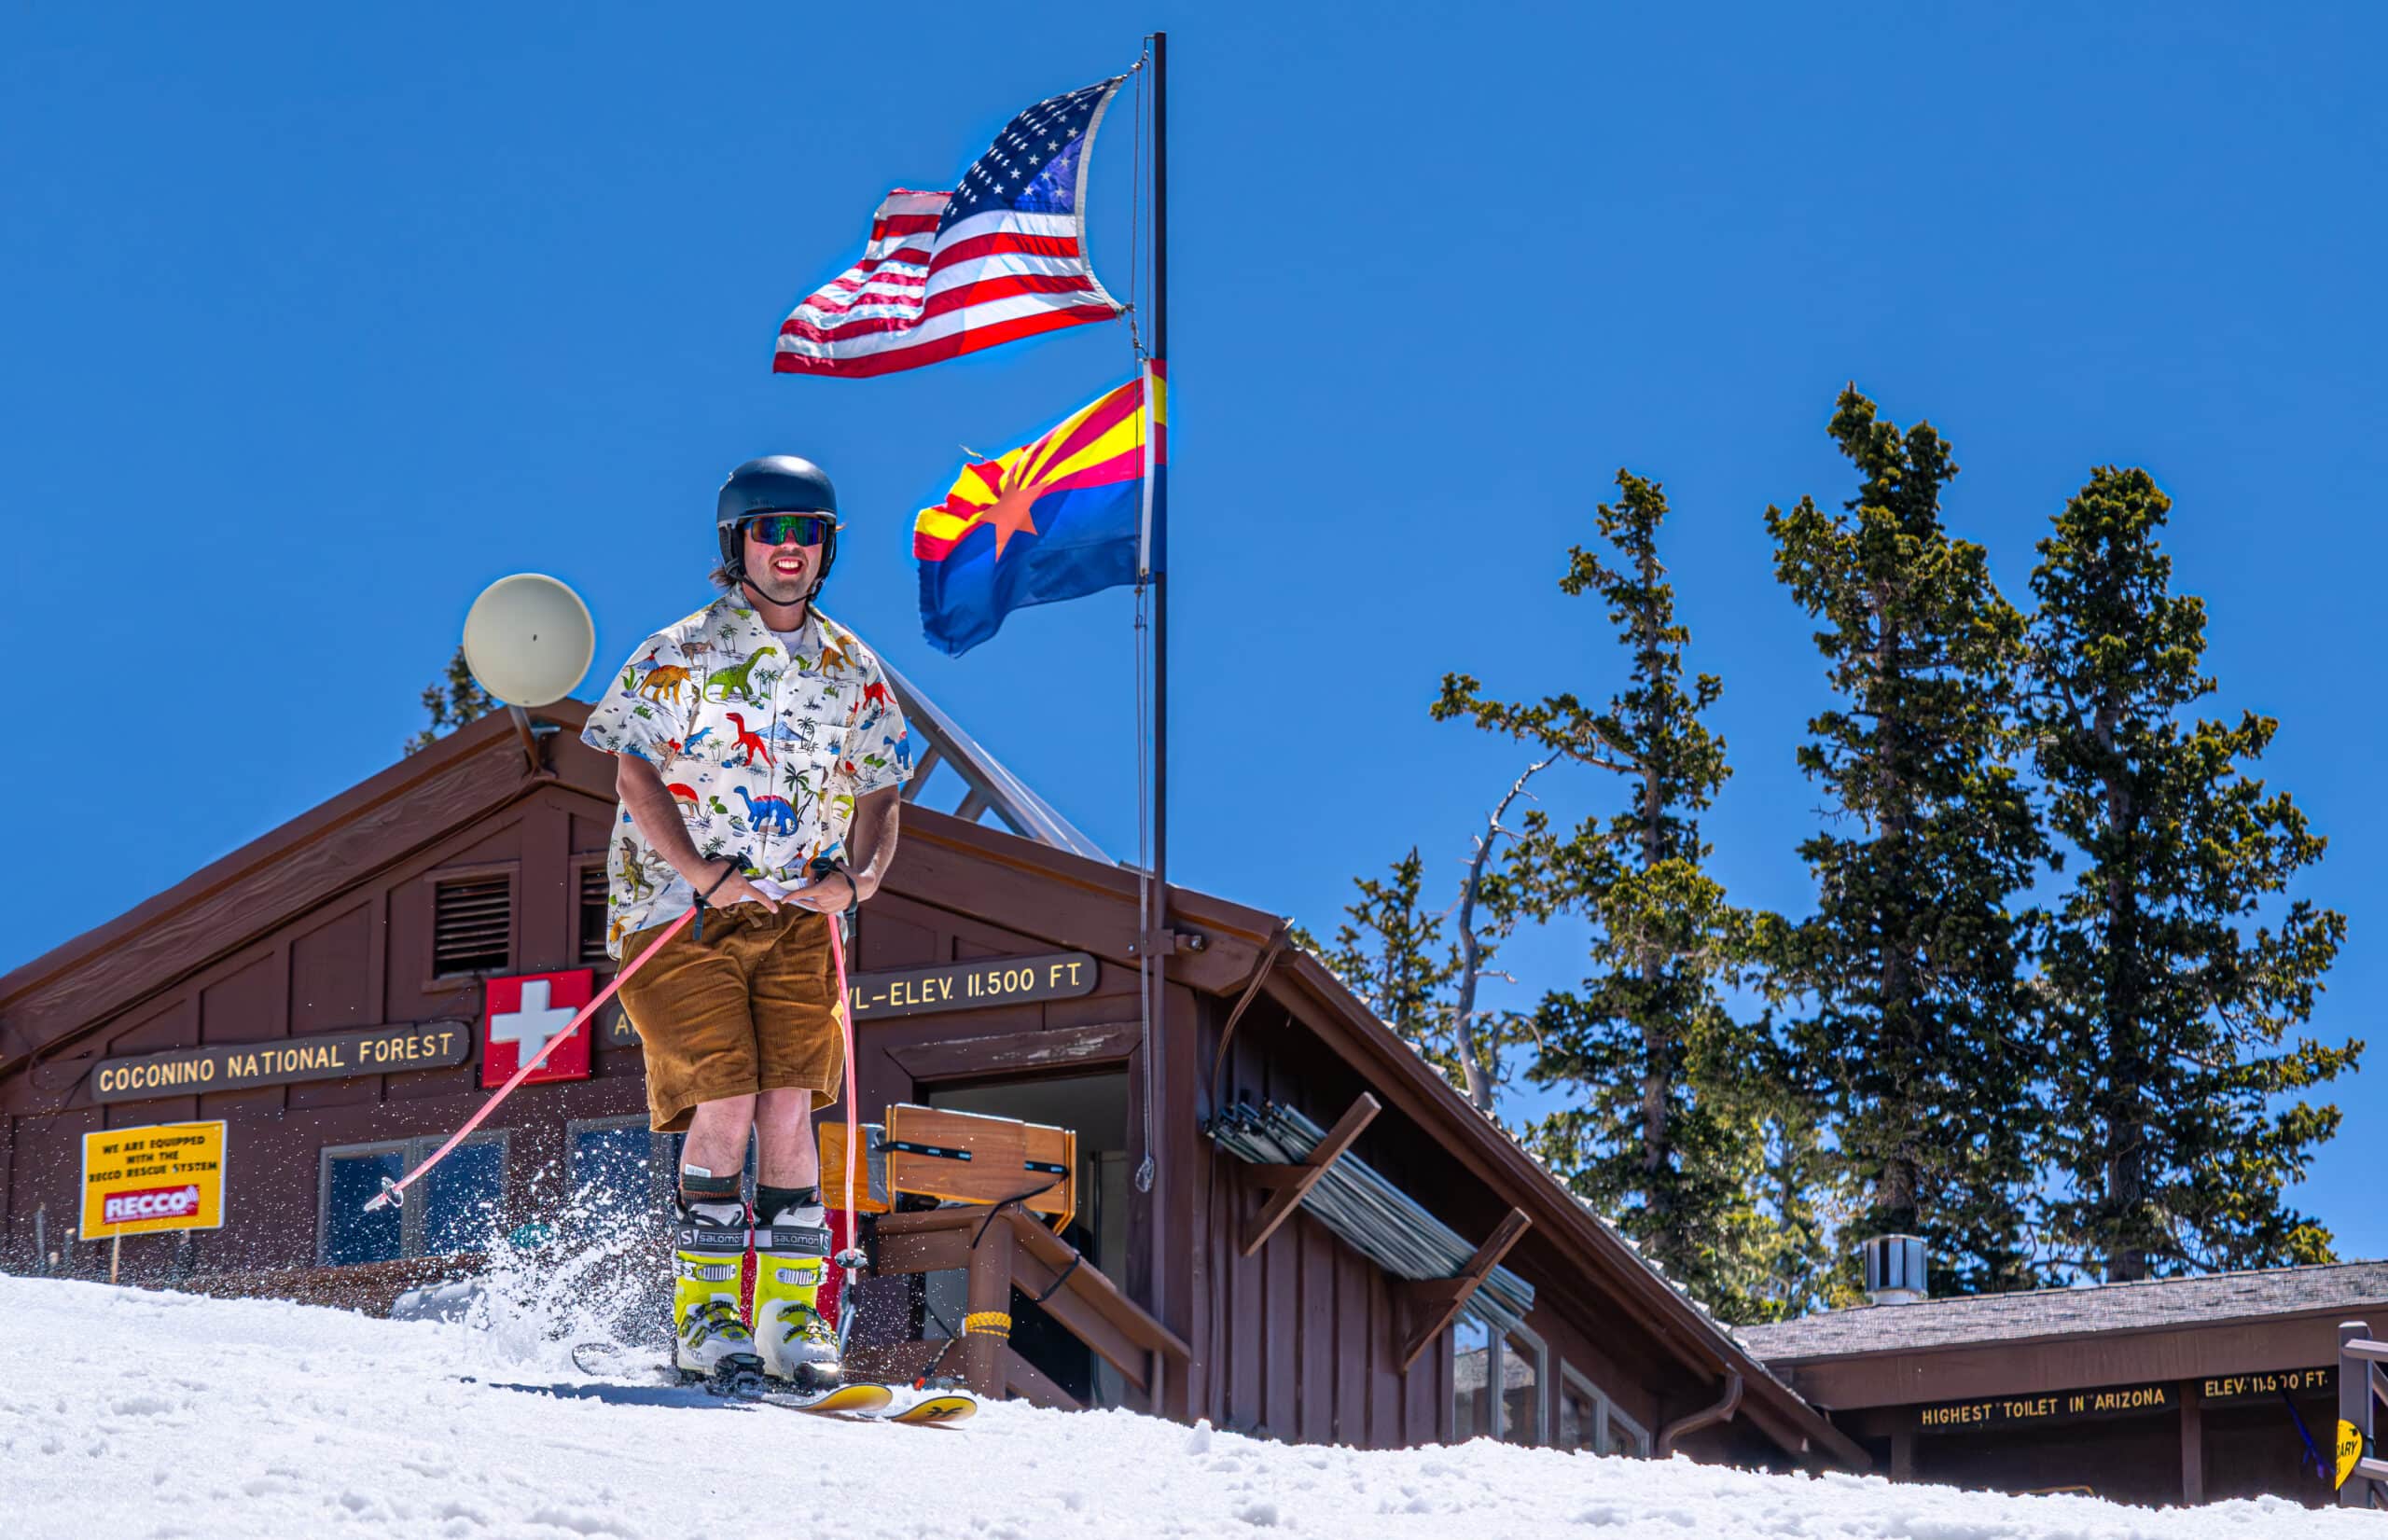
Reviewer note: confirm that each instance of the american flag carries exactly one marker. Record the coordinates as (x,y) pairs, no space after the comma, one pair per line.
(1000,258)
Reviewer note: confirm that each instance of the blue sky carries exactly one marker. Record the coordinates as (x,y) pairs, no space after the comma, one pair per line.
(319,320)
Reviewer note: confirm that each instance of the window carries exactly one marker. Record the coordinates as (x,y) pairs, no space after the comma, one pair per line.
(472,925)
(1588,1420)
(452,1209)
(594,916)
(1471,1379)
(1579,1414)
(611,1168)
(1497,1382)
(351,1180)
(1522,1366)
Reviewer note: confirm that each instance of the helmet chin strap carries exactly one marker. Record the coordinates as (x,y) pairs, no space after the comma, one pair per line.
(747,582)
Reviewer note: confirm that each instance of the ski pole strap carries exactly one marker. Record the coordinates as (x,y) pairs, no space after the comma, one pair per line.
(394,1193)
(704,898)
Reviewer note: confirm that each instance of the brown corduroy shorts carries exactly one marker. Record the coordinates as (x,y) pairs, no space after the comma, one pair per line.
(751,1007)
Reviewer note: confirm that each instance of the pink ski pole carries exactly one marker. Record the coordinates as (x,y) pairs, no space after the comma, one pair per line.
(396,1192)
(849,1255)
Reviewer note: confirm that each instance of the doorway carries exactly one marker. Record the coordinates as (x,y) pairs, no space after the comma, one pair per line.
(1095,1107)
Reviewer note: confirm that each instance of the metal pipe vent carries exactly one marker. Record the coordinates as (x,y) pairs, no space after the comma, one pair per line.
(1894,1270)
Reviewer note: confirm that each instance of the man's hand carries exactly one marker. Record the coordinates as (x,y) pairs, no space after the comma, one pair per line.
(832,895)
(735,889)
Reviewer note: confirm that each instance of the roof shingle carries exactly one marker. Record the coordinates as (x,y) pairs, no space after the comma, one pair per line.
(2058,1312)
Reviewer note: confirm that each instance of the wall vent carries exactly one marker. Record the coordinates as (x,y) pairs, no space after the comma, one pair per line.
(472,927)
(594,914)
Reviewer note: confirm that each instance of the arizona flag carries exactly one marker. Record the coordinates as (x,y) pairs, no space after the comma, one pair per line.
(1074,512)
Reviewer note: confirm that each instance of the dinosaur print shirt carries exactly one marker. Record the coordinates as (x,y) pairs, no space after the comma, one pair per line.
(764,739)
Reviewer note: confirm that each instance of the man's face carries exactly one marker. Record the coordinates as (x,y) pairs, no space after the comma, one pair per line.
(784,553)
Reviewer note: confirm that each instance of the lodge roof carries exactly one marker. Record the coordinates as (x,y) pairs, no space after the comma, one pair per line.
(2148,1305)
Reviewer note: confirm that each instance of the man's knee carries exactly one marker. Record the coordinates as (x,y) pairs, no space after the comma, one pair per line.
(729,1109)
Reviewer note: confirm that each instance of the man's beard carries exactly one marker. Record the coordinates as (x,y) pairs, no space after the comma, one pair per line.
(778,589)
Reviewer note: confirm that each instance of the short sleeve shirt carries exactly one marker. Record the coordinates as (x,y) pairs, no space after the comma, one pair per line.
(764,741)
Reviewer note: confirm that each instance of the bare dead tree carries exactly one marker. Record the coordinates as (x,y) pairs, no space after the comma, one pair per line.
(1473,1063)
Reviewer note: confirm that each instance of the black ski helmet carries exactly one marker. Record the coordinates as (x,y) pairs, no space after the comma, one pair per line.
(776,483)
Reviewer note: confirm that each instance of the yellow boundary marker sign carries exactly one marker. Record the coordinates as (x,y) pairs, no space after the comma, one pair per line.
(164,1177)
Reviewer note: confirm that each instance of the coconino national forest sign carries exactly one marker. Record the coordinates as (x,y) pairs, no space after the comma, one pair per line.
(318,1056)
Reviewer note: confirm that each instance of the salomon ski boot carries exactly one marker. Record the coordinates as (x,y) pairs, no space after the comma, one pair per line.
(710,1339)
(791,1249)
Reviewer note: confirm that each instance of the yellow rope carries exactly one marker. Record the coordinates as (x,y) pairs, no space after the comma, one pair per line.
(987,1322)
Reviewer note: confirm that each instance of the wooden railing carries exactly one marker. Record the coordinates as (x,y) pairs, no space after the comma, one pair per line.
(1012,1251)
(2362,1476)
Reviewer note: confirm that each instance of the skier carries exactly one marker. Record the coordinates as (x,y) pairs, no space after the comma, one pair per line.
(777,734)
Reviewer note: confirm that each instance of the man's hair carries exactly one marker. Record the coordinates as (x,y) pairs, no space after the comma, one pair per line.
(719,577)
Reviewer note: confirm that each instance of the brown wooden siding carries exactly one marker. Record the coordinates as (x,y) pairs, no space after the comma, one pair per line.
(1302,1341)
(1311,1330)
(363,961)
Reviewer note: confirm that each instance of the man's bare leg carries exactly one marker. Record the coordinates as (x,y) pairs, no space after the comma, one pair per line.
(711,1251)
(789,1156)
(791,1245)
(716,1140)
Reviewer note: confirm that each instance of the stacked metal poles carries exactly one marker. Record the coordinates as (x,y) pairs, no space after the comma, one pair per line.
(1372,1216)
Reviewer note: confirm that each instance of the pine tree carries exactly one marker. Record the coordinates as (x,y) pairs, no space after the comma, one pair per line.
(1667,1131)
(1394,955)
(1919,1035)
(2168,1002)
(453,704)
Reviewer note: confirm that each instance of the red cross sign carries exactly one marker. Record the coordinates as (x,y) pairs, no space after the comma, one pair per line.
(523,1013)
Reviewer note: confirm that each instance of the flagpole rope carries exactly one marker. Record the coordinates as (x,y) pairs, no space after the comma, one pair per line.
(1145,983)
(1136,211)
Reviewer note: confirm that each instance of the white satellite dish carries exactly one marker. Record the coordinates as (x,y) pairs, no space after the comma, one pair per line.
(528,638)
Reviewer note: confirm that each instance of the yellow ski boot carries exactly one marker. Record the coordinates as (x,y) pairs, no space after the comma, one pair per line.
(791,1252)
(710,1338)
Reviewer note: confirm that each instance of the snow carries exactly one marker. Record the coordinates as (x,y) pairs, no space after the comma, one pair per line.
(126,1413)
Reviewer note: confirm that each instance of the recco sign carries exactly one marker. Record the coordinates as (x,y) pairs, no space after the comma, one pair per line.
(164,1177)
(156,1203)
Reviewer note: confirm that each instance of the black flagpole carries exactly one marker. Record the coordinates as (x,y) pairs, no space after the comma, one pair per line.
(1152,940)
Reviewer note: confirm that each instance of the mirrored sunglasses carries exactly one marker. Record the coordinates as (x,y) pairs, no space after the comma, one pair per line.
(779,529)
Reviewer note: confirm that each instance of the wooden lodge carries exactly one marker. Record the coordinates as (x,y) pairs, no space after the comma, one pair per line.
(2171,1391)
(322,992)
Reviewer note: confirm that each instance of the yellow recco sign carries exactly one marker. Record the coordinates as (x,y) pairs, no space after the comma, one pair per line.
(167,1176)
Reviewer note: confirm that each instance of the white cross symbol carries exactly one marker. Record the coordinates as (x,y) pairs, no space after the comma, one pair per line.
(530,1025)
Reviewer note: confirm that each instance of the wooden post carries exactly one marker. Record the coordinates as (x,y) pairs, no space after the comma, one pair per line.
(1903,1446)
(989,1305)
(2354,1409)
(1292,1182)
(116,1251)
(2192,1444)
(1436,1302)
